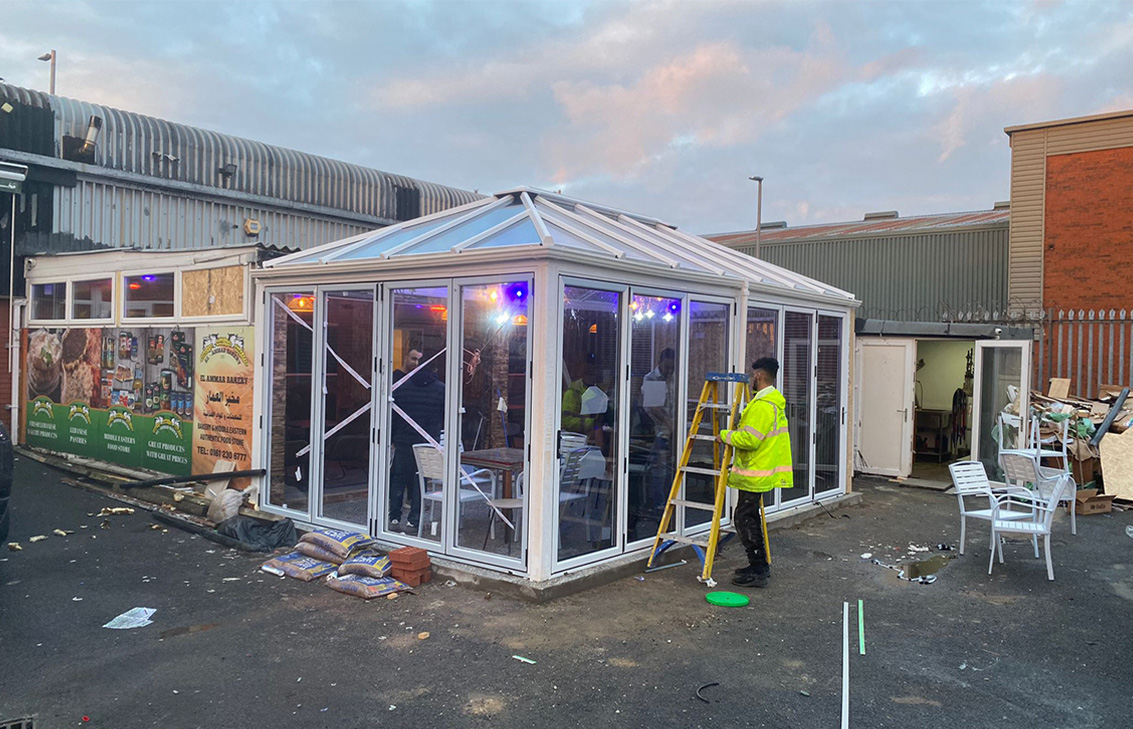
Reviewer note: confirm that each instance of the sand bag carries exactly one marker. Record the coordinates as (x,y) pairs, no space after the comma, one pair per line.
(339,541)
(225,506)
(314,551)
(366,587)
(367,564)
(299,566)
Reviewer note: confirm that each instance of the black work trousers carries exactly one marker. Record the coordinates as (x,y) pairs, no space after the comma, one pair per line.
(749,525)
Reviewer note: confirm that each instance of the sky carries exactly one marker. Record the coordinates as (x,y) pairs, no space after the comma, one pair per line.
(662,108)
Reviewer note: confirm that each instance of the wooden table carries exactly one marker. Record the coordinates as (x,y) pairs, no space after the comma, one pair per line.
(509,461)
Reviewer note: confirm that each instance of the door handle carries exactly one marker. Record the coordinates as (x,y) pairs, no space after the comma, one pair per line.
(905,412)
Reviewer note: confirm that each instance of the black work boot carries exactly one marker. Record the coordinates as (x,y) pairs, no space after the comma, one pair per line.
(752,576)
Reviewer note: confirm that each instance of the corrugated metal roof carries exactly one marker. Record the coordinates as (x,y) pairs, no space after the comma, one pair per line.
(942,222)
(531,217)
(145,145)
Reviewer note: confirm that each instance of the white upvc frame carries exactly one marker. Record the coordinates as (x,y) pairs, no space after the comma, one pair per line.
(123,287)
(33,299)
(115,295)
(315,490)
(387,367)
(811,391)
(843,402)
(680,423)
(265,338)
(456,406)
(1024,347)
(621,460)
(730,357)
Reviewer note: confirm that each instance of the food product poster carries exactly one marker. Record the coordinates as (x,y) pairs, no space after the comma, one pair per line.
(118,395)
(223,417)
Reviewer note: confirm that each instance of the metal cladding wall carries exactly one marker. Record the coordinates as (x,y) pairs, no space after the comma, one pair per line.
(920,277)
(157,184)
(118,215)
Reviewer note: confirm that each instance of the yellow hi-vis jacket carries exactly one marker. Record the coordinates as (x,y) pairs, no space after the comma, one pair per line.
(761,445)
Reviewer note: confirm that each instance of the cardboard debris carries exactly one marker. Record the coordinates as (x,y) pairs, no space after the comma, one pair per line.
(1117,464)
(1089,501)
(1059,388)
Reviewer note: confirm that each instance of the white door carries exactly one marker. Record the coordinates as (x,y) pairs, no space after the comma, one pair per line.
(885,406)
(1002,387)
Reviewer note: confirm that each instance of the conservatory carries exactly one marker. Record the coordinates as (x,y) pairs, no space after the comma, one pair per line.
(508,383)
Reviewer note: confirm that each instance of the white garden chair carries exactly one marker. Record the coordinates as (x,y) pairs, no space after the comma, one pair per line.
(1037,522)
(1021,467)
(970,480)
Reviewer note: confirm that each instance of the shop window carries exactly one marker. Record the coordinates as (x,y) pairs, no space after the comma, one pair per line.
(149,296)
(49,301)
(93,299)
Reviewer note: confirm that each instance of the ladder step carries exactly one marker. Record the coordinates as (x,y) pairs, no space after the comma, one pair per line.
(693,504)
(698,541)
(701,471)
(702,436)
(715,406)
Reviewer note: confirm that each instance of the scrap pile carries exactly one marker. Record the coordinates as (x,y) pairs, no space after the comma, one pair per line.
(349,562)
(1099,436)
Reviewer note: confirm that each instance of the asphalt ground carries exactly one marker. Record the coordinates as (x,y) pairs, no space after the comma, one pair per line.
(233,646)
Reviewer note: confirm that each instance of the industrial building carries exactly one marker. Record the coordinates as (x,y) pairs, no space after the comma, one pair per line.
(99,177)
(934,292)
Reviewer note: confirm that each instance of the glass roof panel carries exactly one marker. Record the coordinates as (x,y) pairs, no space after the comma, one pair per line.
(448,238)
(521,234)
(387,242)
(557,230)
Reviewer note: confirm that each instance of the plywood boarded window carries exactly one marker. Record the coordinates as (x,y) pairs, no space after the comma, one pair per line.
(213,292)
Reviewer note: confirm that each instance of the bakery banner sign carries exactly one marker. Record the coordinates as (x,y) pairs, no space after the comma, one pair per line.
(222,418)
(125,396)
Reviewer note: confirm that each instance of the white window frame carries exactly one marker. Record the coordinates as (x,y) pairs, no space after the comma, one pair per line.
(32,300)
(243,315)
(123,299)
(94,321)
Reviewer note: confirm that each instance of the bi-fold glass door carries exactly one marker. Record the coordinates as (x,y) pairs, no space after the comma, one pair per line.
(363,392)
(456,403)
(812,378)
(321,348)
(634,362)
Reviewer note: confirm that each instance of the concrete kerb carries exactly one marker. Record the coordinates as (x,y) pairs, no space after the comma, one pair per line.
(585,578)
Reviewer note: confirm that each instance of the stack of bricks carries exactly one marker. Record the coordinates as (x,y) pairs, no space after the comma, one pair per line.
(411,565)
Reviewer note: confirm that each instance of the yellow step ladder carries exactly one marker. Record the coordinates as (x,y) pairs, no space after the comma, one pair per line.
(714,402)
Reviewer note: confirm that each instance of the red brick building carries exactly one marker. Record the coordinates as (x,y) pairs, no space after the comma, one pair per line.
(1071,244)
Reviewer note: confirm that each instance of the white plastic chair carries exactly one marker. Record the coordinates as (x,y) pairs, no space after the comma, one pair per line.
(431,469)
(970,479)
(1036,523)
(1021,467)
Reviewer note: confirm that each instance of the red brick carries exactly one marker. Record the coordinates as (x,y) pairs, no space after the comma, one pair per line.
(1088,246)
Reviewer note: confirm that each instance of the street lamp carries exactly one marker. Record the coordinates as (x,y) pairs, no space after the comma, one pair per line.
(758,213)
(50,57)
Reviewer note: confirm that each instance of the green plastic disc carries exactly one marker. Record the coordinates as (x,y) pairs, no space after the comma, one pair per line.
(727,599)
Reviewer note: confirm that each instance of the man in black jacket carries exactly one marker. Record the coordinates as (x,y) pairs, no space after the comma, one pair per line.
(422,398)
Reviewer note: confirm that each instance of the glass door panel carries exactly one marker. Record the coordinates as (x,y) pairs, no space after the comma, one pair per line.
(828,461)
(796,375)
(490,486)
(348,320)
(1000,394)
(762,335)
(707,352)
(416,383)
(588,441)
(655,337)
(290,341)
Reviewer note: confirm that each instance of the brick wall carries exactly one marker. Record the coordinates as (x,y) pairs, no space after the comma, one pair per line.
(1088,240)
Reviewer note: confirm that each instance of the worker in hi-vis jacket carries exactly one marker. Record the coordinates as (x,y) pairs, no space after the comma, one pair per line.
(761,461)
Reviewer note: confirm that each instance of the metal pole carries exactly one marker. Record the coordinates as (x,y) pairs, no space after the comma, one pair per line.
(758,214)
(52,71)
(11,281)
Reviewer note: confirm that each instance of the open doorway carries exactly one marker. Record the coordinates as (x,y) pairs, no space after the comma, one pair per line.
(942,405)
